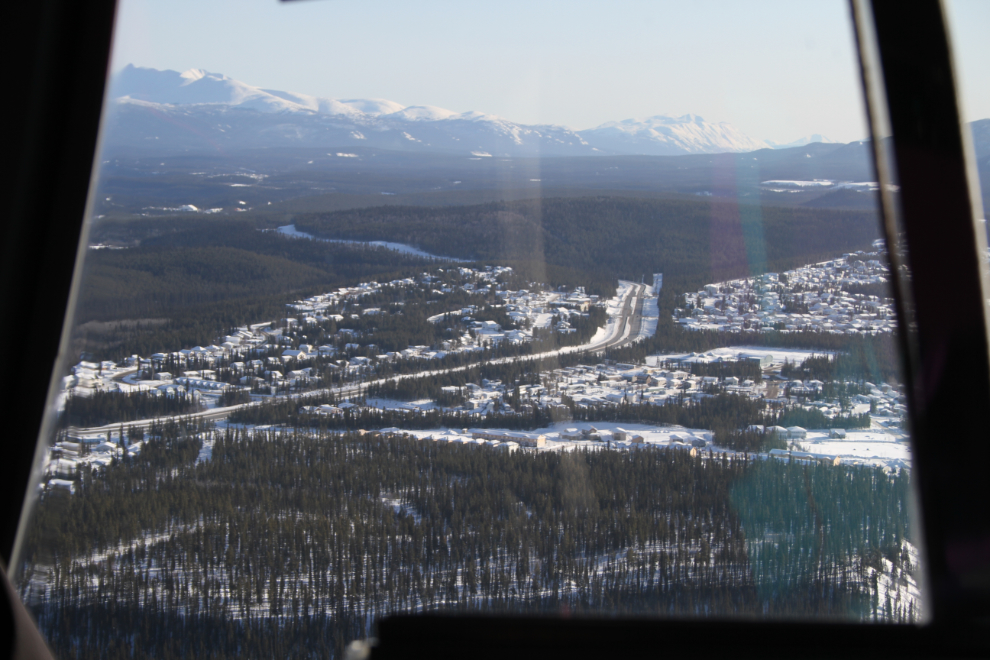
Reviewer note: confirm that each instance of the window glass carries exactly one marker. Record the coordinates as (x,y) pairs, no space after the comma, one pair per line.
(972,61)
(562,308)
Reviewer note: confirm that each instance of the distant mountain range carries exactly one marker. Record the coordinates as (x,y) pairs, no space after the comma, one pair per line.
(197,110)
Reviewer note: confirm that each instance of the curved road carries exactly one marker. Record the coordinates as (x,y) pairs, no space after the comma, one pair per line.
(624,331)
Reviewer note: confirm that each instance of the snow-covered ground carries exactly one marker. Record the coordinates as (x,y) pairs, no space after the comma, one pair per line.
(797,186)
(393,404)
(818,183)
(899,588)
(291,231)
(651,315)
(653,436)
(862,448)
(778,356)
(873,448)
(206,451)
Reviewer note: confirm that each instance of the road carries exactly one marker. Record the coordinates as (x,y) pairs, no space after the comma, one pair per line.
(624,330)
(627,327)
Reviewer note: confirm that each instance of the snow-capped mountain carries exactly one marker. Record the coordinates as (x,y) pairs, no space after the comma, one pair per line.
(200,110)
(197,87)
(667,136)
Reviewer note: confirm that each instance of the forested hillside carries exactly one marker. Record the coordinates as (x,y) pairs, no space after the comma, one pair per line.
(192,284)
(690,242)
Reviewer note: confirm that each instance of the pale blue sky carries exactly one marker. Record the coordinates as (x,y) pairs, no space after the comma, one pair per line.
(777,70)
(969,22)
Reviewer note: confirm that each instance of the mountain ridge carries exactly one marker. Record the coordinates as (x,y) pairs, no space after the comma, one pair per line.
(198,94)
(197,110)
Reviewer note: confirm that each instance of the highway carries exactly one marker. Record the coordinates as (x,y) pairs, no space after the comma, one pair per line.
(624,330)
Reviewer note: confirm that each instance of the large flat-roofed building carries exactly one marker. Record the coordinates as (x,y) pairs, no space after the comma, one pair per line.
(761,358)
(523,439)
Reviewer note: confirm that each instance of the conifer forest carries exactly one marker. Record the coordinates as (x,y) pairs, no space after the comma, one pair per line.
(289,542)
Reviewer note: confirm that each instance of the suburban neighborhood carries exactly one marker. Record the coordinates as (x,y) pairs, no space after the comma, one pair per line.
(832,296)
(330,340)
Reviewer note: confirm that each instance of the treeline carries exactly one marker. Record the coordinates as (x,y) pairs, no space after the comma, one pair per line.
(101,408)
(815,419)
(301,529)
(880,290)
(367,418)
(233,398)
(873,360)
(180,327)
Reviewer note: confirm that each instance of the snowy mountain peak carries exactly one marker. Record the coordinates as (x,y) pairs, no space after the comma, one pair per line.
(191,87)
(665,135)
(423,113)
(281,118)
(192,75)
(373,107)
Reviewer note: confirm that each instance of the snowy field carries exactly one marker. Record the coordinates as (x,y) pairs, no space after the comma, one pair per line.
(778,356)
(651,315)
(292,232)
(872,448)
(653,436)
(796,186)
(392,404)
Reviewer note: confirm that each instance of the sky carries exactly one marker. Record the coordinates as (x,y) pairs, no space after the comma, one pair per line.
(968,24)
(777,70)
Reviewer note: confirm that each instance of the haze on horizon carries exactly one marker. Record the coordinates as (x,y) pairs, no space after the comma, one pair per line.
(776,70)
